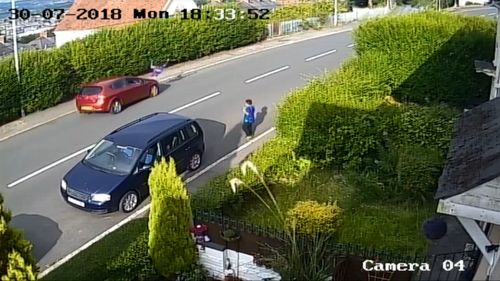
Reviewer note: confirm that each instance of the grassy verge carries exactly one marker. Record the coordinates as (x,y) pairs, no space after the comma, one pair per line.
(91,263)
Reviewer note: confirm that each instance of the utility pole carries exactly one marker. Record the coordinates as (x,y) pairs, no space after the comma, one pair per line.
(335,12)
(16,55)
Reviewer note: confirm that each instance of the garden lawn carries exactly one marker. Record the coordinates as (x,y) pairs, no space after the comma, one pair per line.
(395,227)
(91,263)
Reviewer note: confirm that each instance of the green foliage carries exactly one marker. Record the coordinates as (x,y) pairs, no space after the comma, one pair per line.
(49,77)
(132,49)
(17,269)
(134,263)
(10,102)
(16,260)
(433,55)
(171,245)
(321,9)
(277,161)
(310,217)
(304,259)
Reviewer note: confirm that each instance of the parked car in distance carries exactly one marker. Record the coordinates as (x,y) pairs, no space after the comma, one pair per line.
(114,173)
(111,94)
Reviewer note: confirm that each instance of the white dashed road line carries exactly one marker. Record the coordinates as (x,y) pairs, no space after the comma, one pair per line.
(83,150)
(50,166)
(492,14)
(320,55)
(267,74)
(145,208)
(351,45)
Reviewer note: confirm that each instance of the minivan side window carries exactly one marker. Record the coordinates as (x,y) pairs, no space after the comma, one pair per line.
(170,143)
(191,130)
(150,156)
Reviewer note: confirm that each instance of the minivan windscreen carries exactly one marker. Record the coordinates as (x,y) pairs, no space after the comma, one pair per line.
(90,91)
(110,157)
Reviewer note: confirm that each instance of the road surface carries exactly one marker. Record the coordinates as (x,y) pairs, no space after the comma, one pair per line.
(30,170)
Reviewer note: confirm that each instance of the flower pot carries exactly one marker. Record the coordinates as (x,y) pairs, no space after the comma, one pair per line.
(229,235)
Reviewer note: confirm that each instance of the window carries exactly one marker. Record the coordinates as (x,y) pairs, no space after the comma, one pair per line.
(170,143)
(110,157)
(182,135)
(133,81)
(191,130)
(118,84)
(149,157)
(90,91)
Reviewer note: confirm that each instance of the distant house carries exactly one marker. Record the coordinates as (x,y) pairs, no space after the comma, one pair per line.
(5,46)
(469,187)
(70,28)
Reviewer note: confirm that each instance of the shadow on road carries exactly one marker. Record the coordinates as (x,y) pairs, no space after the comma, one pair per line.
(219,142)
(41,231)
(259,117)
(164,87)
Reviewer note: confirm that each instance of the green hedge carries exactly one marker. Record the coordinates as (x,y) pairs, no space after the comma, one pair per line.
(433,55)
(49,77)
(349,120)
(321,9)
(46,79)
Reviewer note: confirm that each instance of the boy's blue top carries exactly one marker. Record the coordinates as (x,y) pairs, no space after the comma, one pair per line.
(250,114)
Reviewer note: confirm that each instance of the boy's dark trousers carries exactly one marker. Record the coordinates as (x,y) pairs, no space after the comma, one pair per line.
(248,129)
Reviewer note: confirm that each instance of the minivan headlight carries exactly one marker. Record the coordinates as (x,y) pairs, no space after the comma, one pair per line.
(101,197)
(64,185)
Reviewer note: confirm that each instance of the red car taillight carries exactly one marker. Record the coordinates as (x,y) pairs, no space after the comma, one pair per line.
(100,100)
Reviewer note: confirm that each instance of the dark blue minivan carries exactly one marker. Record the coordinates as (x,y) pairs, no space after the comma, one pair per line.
(114,173)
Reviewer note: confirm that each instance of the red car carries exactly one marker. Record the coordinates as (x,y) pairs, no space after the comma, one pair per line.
(110,95)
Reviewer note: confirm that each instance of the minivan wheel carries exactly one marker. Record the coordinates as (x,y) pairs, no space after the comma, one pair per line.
(116,107)
(129,202)
(153,92)
(195,161)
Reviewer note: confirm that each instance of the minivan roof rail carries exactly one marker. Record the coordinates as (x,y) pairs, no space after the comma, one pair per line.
(134,122)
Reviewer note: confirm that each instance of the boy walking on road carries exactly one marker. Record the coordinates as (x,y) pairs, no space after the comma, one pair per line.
(248,118)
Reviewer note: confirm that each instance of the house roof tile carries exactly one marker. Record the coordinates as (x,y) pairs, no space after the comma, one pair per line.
(474,154)
(126,6)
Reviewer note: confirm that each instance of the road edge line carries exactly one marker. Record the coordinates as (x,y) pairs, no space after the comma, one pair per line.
(145,208)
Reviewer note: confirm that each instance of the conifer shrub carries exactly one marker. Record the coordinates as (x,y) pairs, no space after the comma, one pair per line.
(171,245)
(16,259)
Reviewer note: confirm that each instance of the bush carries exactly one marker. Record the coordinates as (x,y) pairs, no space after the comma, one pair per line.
(277,161)
(433,55)
(171,245)
(132,49)
(16,259)
(321,9)
(134,263)
(48,77)
(310,217)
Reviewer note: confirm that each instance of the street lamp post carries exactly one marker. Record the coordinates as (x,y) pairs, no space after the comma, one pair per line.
(16,55)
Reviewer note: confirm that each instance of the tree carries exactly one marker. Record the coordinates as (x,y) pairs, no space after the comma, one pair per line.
(171,245)
(16,260)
